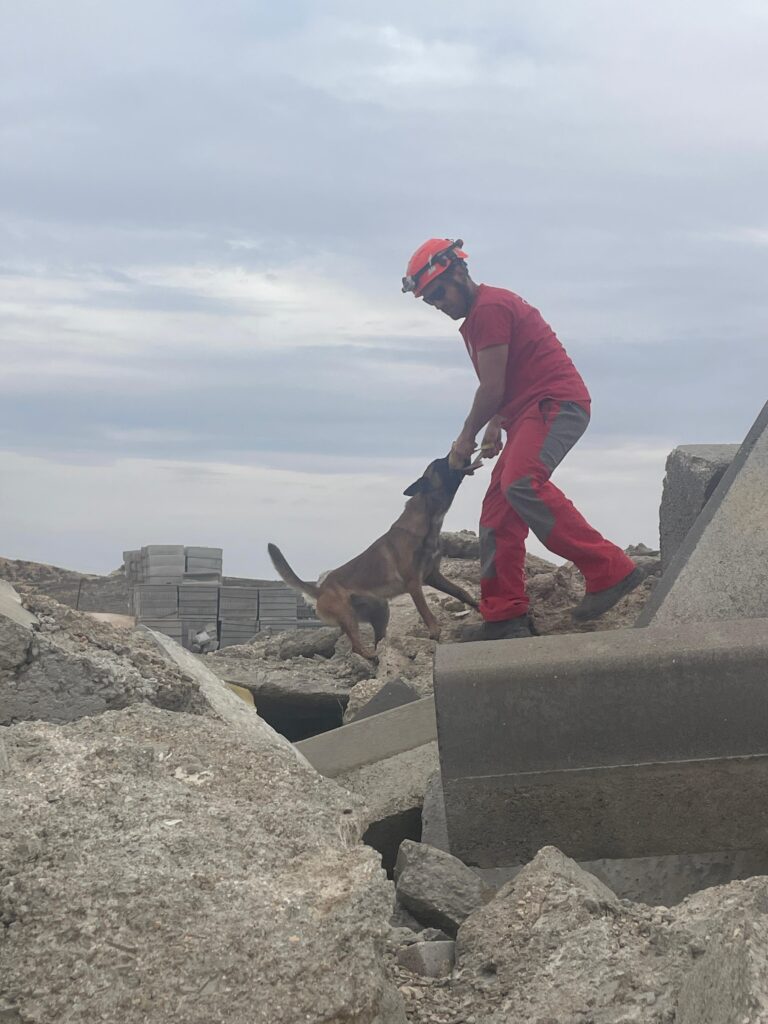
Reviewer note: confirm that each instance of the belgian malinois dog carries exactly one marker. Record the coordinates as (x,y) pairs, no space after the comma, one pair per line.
(402,561)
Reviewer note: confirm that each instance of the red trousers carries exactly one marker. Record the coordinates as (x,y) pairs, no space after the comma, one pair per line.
(520,497)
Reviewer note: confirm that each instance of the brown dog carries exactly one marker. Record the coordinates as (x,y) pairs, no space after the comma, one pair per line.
(402,561)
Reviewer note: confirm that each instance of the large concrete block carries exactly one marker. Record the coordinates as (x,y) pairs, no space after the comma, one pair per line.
(718,572)
(693,472)
(628,743)
(662,880)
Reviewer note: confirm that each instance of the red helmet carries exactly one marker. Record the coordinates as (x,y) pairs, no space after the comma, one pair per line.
(429,261)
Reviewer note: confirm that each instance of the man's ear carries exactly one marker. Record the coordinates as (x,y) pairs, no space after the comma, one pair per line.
(420,486)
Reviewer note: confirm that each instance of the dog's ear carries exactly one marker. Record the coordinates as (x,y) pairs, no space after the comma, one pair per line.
(420,486)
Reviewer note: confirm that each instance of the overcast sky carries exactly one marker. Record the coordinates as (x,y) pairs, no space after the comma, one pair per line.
(207,209)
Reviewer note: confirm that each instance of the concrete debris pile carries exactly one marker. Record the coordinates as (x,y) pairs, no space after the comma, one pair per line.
(155,868)
(174,858)
(557,945)
(58,665)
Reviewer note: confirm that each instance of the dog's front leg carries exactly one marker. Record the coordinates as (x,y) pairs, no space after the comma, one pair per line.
(414,589)
(439,582)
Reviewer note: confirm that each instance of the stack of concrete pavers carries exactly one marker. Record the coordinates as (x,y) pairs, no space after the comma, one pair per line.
(639,743)
(238,614)
(278,608)
(132,566)
(157,606)
(155,596)
(178,590)
(199,611)
(163,564)
(203,564)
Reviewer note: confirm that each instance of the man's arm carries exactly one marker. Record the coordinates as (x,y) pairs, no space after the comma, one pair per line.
(492,370)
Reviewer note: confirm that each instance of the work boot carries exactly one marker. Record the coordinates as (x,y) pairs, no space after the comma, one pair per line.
(593,605)
(505,629)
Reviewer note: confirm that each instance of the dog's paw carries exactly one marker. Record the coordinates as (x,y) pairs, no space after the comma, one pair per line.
(365,652)
(434,634)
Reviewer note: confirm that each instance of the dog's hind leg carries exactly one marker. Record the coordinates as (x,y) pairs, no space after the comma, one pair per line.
(335,608)
(439,582)
(374,610)
(414,589)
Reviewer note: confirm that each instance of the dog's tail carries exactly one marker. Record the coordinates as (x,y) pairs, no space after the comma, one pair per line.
(288,575)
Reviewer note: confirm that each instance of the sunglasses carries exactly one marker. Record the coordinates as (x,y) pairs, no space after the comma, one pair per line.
(435,295)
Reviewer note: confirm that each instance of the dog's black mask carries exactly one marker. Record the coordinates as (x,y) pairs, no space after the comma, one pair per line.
(437,476)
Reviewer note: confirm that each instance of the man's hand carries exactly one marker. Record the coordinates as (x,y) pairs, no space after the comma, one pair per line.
(492,442)
(461,452)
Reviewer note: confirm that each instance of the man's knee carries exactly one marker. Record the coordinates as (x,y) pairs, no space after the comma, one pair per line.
(524,498)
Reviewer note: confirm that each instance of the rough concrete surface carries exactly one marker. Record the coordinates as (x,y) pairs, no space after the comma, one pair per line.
(437,888)
(718,572)
(76,666)
(243,720)
(394,785)
(155,868)
(16,629)
(693,471)
(556,946)
(432,959)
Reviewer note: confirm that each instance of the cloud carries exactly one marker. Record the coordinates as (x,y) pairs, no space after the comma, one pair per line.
(207,211)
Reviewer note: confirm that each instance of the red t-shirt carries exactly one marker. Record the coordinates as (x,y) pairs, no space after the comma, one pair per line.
(538,366)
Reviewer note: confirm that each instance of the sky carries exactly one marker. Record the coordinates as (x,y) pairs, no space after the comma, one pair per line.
(206,210)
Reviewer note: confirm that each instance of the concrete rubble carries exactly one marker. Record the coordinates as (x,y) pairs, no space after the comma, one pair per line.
(153,867)
(436,888)
(167,854)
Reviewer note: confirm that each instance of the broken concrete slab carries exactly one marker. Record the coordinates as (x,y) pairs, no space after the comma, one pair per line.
(16,629)
(372,739)
(718,572)
(242,719)
(393,694)
(437,888)
(430,959)
(610,745)
(693,471)
(76,666)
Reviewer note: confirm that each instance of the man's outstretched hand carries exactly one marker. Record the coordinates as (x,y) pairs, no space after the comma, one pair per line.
(492,442)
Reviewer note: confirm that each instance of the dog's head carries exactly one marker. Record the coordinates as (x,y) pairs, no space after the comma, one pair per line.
(438,481)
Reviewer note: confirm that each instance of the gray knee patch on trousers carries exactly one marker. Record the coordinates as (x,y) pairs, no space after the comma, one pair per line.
(565,430)
(487,553)
(531,509)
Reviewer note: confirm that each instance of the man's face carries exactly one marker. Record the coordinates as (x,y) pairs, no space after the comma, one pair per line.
(448,295)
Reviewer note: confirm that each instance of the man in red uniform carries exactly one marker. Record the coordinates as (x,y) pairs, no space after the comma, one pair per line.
(530,388)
